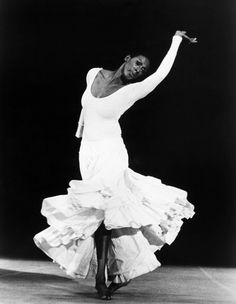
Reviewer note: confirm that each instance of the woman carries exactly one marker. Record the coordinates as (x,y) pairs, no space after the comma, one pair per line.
(113,220)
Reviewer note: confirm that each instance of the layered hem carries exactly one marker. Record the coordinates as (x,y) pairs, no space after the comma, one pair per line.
(142,213)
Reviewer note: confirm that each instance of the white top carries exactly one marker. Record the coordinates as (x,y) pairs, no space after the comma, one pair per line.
(99,116)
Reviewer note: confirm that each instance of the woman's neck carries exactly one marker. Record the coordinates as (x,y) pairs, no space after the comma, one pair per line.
(116,77)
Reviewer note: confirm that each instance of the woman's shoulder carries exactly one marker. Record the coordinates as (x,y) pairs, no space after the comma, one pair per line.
(106,73)
(91,73)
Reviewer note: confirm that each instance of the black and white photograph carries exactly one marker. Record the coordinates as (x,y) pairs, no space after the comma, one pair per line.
(118,151)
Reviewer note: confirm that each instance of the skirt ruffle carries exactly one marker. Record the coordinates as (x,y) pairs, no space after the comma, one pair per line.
(142,212)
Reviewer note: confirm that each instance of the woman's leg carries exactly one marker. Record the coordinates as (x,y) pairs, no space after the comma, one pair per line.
(102,238)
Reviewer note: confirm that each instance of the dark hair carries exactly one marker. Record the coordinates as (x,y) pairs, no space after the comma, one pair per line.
(143,55)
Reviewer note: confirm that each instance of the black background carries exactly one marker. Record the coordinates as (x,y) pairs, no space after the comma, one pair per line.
(183,132)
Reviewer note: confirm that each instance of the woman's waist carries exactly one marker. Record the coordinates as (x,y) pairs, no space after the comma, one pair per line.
(102,145)
(100,131)
(101,137)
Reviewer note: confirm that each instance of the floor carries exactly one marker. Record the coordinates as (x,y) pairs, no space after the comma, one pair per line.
(42,282)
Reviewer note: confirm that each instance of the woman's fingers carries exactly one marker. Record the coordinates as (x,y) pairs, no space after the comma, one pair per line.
(193,40)
(183,34)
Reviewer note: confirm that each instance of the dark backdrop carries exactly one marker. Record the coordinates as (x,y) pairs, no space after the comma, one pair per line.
(183,132)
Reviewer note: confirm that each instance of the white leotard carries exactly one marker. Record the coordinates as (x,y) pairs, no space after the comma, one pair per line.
(100,116)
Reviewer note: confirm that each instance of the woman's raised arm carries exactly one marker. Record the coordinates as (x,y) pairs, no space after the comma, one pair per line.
(140,89)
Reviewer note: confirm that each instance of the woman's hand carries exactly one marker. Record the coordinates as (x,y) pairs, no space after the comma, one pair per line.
(183,34)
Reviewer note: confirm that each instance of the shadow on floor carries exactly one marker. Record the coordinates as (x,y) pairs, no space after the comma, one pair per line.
(46,286)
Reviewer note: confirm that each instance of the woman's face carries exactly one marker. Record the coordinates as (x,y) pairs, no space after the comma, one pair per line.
(135,67)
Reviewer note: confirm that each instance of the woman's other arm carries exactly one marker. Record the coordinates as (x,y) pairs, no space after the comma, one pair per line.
(80,128)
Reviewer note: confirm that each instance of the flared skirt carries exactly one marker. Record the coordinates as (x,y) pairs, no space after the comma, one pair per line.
(142,213)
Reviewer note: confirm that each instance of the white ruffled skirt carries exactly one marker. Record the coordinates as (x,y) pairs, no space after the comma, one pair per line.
(142,213)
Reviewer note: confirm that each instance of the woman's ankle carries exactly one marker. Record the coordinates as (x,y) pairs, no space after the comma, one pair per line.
(100,280)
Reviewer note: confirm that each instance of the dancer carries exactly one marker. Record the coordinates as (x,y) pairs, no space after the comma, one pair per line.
(111,222)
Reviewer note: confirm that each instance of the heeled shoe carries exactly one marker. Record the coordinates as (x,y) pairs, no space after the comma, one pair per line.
(103,292)
(114,286)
